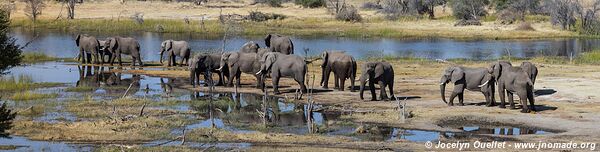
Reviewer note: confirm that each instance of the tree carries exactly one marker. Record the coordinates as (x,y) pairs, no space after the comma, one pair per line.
(429,5)
(469,9)
(589,19)
(10,53)
(71,9)
(563,12)
(518,8)
(34,8)
(6,117)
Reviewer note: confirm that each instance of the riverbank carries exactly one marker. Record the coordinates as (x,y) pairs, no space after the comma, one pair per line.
(113,17)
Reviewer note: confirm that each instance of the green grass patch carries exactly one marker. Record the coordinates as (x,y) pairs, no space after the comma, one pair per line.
(22,82)
(32,57)
(29,95)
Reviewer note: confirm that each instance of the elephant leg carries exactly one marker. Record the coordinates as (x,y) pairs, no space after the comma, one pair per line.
(174,60)
(501,93)
(452,96)
(352,77)
(372,88)
(300,79)
(461,99)
(487,98)
(326,73)
(342,81)
(81,57)
(206,78)
(112,60)
(89,58)
(336,80)
(181,62)
(139,58)
(523,99)
(258,80)
(231,77)
(382,93)
(220,83)
(510,99)
(275,79)
(391,88)
(120,61)
(530,97)
(238,78)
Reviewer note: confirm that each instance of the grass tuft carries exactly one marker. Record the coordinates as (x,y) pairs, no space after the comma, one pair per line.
(22,82)
(33,57)
(29,95)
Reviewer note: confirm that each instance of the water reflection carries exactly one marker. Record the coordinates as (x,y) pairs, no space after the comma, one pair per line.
(61,44)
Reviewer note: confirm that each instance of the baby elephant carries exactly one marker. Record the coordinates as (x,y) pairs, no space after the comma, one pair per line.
(513,80)
(206,64)
(473,79)
(380,72)
(175,49)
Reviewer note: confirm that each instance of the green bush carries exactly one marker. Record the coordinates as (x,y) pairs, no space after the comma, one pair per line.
(310,3)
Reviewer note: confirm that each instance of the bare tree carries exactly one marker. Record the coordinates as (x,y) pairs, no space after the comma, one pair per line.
(71,9)
(589,19)
(34,8)
(7,7)
(563,12)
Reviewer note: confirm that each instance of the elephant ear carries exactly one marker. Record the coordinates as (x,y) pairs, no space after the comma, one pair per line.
(169,45)
(268,40)
(379,70)
(324,56)
(457,74)
(77,40)
(496,69)
(113,43)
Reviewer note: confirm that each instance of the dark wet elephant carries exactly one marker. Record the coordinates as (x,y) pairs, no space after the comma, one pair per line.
(206,64)
(343,67)
(104,52)
(250,47)
(175,49)
(278,43)
(238,63)
(513,80)
(473,79)
(124,45)
(380,72)
(88,47)
(282,65)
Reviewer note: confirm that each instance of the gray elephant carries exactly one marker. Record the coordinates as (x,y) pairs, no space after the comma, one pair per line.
(175,49)
(343,67)
(282,65)
(473,79)
(206,64)
(531,70)
(513,80)
(124,45)
(250,47)
(104,52)
(88,47)
(278,43)
(380,72)
(238,63)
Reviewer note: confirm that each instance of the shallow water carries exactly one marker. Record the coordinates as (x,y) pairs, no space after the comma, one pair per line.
(24,144)
(510,131)
(61,44)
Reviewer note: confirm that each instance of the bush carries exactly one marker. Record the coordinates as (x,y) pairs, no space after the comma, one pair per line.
(6,117)
(260,16)
(348,13)
(272,3)
(524,26)
(310,3)
(10,52)
(371,6)
(506,16)
(467,23)
(467,10)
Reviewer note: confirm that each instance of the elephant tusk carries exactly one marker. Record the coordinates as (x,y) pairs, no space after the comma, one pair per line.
(486,82)
(442,83)
(257,73)
(367,80)
(219,69)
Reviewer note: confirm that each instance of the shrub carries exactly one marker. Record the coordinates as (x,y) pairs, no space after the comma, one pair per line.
(272,3)
(6,117)
(260,16)
(467,10)
(310,3)
(371,6)
(348,13)
(467,23)
(506,16)
(562,13)
(524,26)
(10,52)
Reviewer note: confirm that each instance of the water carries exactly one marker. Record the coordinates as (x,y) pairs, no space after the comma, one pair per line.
(509,131)
(24,144)
(61,44)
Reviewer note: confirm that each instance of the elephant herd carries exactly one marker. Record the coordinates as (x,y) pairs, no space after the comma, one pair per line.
(277,60)
(510,80)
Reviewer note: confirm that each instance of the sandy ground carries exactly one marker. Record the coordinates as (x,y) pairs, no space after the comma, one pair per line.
(568,101)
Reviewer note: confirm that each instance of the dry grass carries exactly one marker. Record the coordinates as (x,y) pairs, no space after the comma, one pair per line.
(29,95)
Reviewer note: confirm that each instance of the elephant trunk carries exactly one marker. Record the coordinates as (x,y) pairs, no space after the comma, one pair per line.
(193,77)
(322,75)
(363,81)
(162,50)
(442,92)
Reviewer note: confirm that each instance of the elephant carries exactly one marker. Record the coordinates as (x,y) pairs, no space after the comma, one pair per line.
(103,51)
(531,70)
(343,67)
(282,65)
(206,64)
(513,80)
(238,63)
(175,49)
(250,47)
(124,45)
(91,76)
(88,47)
(278,43)
(380,72)
(473,79)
